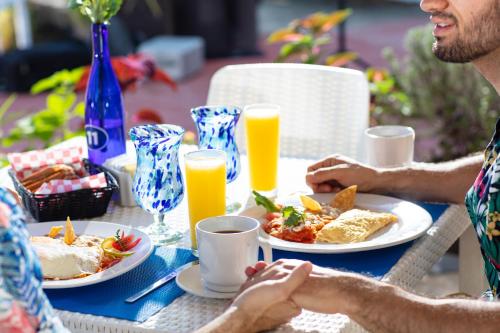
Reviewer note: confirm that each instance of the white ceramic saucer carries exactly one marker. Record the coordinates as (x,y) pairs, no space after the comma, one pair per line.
(189,280)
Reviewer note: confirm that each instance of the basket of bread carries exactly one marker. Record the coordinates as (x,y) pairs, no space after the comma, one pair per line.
(54,184)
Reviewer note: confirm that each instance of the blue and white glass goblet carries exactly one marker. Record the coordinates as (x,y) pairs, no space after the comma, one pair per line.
(158,186)
(216,127)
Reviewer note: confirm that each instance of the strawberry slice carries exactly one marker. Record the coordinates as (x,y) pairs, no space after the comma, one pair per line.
(124,242)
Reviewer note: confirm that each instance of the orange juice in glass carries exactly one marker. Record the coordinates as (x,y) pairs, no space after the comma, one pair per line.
(205,172)
(262,137)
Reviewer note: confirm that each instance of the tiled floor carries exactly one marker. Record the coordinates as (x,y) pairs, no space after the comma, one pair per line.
(442,280)
(438,285)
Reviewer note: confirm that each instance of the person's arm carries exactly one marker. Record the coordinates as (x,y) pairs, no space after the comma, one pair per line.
(262,306)
(445,182)
(380,307)
(232,320)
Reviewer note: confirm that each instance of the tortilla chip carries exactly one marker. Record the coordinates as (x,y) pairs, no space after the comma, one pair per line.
(69,233)
(344,200)
(54,231)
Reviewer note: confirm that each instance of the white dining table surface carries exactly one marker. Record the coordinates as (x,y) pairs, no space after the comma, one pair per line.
(188,312)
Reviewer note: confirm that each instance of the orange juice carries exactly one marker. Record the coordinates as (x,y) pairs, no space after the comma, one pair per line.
(262,137)
(205,186)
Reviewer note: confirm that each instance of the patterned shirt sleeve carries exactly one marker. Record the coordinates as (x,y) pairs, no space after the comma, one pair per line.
(23,305)
(483,204)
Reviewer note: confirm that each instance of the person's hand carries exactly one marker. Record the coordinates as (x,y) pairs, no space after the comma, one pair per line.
(336,172)
(267,301)
(318,293)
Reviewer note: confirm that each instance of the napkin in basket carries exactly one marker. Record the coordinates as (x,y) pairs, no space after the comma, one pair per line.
(26,164)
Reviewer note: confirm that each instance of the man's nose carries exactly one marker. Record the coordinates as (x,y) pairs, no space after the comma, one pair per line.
(430,6)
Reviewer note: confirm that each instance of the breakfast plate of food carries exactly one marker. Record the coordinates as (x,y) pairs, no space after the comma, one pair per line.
(80,253)
(337,223)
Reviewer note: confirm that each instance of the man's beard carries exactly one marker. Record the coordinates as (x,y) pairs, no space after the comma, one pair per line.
(481,37)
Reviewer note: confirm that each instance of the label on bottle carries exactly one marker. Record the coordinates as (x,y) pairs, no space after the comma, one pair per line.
(97,138)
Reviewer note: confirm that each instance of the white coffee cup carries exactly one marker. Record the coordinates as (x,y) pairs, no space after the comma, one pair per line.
(224,256)
(389,146)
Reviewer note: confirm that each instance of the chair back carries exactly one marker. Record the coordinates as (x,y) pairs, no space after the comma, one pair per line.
(324,110)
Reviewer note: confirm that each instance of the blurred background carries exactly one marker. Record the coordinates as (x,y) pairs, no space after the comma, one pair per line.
(450,106)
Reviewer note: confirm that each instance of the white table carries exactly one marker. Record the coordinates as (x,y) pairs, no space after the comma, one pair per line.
(189,312)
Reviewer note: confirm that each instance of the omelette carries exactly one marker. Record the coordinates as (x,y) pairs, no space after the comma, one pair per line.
(354,226)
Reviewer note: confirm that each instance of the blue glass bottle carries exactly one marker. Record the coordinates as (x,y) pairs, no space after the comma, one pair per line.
(104,119)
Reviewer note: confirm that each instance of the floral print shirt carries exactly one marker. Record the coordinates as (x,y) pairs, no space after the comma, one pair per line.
(24,308)
(483,205)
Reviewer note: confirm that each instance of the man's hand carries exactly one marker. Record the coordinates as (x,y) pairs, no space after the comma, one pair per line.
(318,293)
(263,304)
(336,172)
(267,300)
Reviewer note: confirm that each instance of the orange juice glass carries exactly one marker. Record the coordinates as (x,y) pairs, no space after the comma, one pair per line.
(205,172)
(262,132)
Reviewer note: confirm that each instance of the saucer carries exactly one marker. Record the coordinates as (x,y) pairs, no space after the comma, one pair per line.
(189,280)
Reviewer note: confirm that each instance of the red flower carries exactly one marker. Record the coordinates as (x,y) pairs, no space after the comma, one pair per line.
(130,71)
(146,116)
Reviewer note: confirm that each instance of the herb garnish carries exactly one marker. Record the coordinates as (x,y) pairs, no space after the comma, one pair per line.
(292,216)
(119,238)
(261,200)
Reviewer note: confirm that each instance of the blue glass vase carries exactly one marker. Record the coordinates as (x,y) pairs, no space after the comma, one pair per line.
(104,119)
(216,127)
(158,186)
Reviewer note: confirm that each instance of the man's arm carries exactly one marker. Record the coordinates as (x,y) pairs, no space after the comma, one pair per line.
(380,307)
(232,320)
(445,182)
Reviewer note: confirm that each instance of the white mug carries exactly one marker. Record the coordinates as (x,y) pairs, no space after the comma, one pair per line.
(389,146)
(224,256)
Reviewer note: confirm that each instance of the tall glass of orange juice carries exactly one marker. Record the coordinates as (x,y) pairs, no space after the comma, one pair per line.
(262,132)
(206,187)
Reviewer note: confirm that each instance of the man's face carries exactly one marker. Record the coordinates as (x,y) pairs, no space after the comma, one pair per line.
(464,30)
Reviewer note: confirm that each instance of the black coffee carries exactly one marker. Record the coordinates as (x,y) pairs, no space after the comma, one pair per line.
(228,232)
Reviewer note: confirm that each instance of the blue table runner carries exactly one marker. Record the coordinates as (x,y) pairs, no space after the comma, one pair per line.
(107,298)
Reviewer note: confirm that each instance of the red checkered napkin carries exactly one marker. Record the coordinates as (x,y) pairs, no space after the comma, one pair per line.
(63,185)
(24,164)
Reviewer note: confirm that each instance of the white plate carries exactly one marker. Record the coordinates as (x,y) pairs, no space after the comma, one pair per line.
(189,280)
(101,229)
(413,221)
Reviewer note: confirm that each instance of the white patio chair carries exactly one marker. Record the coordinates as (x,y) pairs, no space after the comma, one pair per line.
(324,110)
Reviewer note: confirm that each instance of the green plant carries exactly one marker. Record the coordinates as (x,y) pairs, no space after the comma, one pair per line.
(53,123)
(98,11)
(456,97)
(307,39)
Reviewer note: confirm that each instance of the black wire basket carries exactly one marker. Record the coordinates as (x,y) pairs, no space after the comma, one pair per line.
(84,203)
